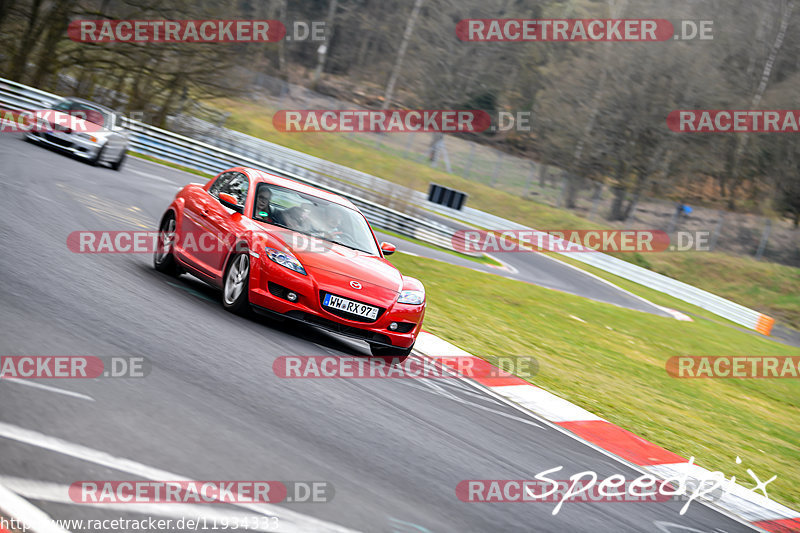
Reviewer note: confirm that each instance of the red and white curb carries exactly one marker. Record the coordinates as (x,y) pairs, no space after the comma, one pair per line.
(744,503)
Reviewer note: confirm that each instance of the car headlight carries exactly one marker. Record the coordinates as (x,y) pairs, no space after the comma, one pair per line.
(86,136)
(285,259)
(411,297)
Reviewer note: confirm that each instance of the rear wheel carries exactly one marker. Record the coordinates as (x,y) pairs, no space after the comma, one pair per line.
(395,354)
(235,290)
(163,257)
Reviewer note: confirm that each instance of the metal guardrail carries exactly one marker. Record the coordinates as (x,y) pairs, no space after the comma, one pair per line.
(220,149)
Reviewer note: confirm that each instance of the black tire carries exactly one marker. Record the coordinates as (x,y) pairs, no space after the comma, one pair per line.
(163,257)
(236,284)
(397,355)
(117,165)
(96,159)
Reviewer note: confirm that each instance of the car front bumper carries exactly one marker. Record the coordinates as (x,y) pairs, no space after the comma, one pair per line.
(65,142)
(270,282)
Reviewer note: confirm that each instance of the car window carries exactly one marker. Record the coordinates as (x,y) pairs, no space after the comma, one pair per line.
(233,183)
(317,217)
(86,112)
(220,181)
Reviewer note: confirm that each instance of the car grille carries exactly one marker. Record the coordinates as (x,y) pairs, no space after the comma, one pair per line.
(349,316)
(369,336)
(55,140)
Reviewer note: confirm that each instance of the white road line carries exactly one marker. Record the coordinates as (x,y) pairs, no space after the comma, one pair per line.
(48,388)
(52,492)
(289,520)
(27,513)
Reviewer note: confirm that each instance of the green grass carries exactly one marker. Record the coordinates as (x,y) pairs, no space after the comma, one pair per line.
(483,258)
(613,364)
(769,288)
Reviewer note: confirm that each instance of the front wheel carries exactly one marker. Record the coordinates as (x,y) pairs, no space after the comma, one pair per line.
(118,164)
(397,354)
(163,257)
(95,161)
(235,291)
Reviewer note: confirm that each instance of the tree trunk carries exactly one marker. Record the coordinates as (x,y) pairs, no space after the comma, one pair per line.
(29,38)
(741,144)
(574,183)
(326,46)
(5,8)
(174,88)
(401,53)
(617,212)
(57,24)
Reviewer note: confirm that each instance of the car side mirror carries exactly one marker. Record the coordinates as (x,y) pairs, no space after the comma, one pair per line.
(229,201)
(388,248)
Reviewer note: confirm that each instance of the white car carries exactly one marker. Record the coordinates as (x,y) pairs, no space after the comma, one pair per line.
(84,129)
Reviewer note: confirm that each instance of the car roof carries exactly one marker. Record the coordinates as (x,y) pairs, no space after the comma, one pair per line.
(259,176)
(88,103)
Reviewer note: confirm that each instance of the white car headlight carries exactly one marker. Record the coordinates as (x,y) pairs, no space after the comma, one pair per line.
(285,259)
(411,297)
(86,136)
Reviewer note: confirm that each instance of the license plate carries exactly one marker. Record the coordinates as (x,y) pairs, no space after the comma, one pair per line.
(349,306)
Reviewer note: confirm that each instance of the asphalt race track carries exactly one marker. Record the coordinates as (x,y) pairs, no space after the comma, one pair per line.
(212,409)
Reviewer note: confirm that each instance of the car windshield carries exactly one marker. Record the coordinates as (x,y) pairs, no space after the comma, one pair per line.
(84,111)
(313,216)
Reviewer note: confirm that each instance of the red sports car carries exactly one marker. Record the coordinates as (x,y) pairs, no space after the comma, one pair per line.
(274,245)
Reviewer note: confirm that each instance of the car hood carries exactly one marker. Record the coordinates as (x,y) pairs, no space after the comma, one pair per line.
(353,265)
(324,259)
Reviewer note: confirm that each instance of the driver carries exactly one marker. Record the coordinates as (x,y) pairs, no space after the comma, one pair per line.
(262,209)
(298,218)
(334,220)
